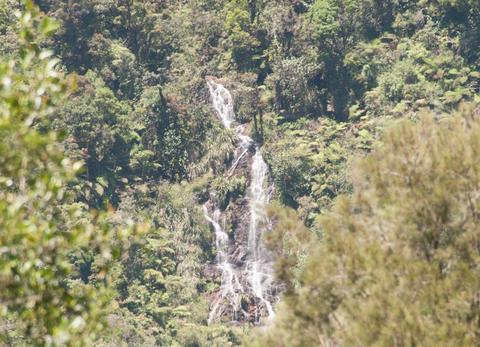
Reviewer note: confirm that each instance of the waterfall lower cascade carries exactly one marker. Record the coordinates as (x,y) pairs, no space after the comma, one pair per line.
(247,286)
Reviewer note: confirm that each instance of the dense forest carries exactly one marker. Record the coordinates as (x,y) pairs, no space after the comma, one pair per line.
(239,172)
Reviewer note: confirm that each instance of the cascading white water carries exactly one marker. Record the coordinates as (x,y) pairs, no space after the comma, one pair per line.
(257,273)
(259,267)
(222,101)
(231,287)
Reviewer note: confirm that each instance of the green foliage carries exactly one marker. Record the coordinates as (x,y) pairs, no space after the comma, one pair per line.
(161,281)
(309,160)
(329,22)
(241,45)
(427,75)
(335,24)
(8,37)
(315,82)
(227,189)
(290,175)
(292,80)
(397,263)
(95,122)
(40,228)
(161,133)
(246,96)
(219,147)
(116,64)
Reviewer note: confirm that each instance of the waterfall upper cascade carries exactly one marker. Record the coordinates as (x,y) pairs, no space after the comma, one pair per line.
(247,289)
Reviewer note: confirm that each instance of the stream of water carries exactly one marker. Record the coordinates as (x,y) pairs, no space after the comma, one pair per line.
(255,278)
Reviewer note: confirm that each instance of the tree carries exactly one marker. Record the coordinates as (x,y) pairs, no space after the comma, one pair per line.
(41,302)
(338,25)
(292,81)
(399,260)
(463,17)
(335,32)
(241,44)
(162,131)
(7,19)
(95,122)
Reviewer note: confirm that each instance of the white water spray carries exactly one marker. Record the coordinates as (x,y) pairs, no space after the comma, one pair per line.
(222,101)
(259,267)
(257,273)
(231,288)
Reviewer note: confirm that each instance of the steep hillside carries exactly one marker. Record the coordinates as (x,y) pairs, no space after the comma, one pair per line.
(225,130)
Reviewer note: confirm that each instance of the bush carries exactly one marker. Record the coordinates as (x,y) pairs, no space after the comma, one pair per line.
(399,261)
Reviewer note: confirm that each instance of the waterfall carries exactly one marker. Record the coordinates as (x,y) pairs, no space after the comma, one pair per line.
(231,287)
(254,279)
(259,268)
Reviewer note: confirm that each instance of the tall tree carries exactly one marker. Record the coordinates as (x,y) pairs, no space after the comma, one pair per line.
(41,301)
(338,25)
(399,261)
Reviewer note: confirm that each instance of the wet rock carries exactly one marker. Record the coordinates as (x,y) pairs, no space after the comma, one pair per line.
(211,272)
(239,256)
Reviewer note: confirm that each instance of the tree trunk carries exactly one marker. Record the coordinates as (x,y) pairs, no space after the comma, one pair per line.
(340,103)
(252,9)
